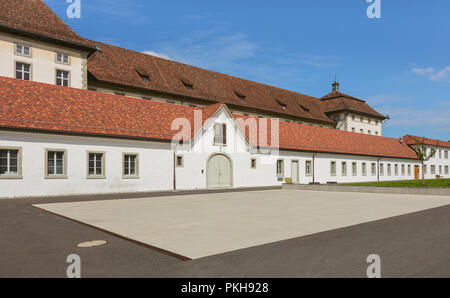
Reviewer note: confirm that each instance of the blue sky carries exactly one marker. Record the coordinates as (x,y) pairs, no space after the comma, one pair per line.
(400,63)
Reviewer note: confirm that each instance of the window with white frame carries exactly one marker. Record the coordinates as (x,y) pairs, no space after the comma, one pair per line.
(374,169)
(425,170)
(364,169)
(403,170)
(62,78)
(96,164)
(433,169)
(389,169)
(23,71)
(130,165)
(220,134)
(62,58)
(446,154)
(333,168)
(396,169)
(440,153)
(23,50)
(344,168)
(308,168)
(440,170)
(56,164)
(409,170)
(382,169)
(354,169)
(280,167)
(10,162)
(446,170)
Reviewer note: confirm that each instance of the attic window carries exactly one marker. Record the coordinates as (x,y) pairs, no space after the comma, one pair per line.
(143,76)
(240,95)
(283,105)
(187,84)
(305,108)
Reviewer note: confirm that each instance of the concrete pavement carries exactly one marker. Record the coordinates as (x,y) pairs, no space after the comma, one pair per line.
(198,226)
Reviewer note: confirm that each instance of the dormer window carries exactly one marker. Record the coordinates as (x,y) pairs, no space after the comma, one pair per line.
(23,50)
(144,77)
(282,104)
(188,85)
(304,108)
(240,95)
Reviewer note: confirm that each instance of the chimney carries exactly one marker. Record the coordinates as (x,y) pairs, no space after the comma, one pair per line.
(335,85)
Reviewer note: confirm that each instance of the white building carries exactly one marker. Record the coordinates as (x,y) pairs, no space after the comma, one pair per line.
(66,140)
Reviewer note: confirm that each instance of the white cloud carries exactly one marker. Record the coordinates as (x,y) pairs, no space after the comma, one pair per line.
(159,55)
(442,75)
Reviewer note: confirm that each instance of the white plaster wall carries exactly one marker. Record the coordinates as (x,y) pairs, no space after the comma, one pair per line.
(437,161)
(155,165)
(43,61)
(364,125)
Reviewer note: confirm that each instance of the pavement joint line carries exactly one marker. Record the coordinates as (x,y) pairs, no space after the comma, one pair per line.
(160,250)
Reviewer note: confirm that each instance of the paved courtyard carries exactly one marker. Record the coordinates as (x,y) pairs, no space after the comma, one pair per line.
(197,226)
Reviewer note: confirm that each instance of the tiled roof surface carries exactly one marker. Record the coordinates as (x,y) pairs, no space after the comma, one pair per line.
(36,17)
(37,106)
(413,140)
(303,137)
(338,101)
(121,66)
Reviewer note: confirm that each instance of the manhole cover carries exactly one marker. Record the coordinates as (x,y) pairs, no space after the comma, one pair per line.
(92,243)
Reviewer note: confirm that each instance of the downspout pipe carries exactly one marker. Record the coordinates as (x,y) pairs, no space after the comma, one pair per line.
(313,168)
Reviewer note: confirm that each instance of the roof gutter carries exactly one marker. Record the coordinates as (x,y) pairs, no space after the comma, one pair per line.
(47,38)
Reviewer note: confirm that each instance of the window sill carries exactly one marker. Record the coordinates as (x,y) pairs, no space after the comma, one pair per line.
(56,177)
(11,177)
(96,177)
(130,177)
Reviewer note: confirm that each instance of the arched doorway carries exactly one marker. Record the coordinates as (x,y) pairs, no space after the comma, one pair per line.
(219,173)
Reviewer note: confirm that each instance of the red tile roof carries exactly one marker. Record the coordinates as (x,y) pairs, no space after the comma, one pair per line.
(36,106)
(337,101)
(303,137)
(413,140)
(34,16)
(121,66)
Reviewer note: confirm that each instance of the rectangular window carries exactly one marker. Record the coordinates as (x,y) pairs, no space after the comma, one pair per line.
(353,129)
(23,50)
(56,163)
(280,167)
(374,169)
(62,78)
(308,169)
(180,161)
(361,130)
(369,132)
(376,133)
(253,163)
(396,169)
(403,170)
(130,165)
(425,170)
(96,164)
(354,169)
(364,169)
(62,58)
(344,169)
(440,170)
(433,170)
(389,169)
(10,165)
(333,168)
(220,134)
(446,154)
(409,170)
(23,71)
(381,169)
(446,170)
